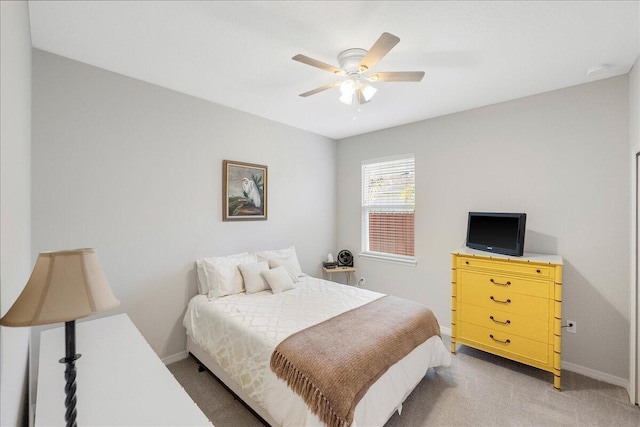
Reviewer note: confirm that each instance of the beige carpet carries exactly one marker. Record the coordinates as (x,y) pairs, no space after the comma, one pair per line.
(478,389)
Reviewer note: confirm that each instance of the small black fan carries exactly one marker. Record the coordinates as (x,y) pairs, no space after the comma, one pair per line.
(345,258)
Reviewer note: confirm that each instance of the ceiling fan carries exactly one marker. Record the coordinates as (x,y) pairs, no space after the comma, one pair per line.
(355,66)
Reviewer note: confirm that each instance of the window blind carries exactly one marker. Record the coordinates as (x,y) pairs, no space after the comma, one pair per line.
(388,206)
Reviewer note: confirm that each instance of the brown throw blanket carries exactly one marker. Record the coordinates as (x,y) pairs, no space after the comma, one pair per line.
(331,365)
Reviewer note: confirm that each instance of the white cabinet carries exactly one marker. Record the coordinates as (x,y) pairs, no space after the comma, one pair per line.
(120,380)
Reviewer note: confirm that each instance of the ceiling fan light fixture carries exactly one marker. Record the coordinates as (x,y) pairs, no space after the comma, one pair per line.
(368,91)
(360,99)
(347,88)
(346,99)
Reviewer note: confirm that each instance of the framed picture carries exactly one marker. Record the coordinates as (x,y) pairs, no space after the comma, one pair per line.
(244,191)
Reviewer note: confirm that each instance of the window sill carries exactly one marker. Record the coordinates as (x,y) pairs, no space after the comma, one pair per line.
(393,260)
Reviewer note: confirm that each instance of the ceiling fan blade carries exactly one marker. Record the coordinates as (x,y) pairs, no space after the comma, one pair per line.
(315,63)
(397,76)
(380,48)
(320,89)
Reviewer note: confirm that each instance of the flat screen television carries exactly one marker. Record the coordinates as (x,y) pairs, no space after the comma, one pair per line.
(501,233)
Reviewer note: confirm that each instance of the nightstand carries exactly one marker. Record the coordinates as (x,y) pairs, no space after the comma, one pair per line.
(346,270)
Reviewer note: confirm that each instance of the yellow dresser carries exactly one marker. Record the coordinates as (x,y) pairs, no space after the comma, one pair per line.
(509,306)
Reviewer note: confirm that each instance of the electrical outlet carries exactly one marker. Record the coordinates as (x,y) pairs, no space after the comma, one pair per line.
(361,282)
(572,326)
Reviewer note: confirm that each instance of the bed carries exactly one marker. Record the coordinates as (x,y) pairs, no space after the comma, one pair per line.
(235,336)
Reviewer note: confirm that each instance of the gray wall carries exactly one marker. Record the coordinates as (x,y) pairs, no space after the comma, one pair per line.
(15,201)
(561,157)
(634,104)
(134,170)
(634,141)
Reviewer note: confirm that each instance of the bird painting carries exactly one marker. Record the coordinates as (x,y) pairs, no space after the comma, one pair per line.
(244,186)
(251,192)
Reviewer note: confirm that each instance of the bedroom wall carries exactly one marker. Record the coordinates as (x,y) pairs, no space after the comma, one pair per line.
(634,143)
(134,170)
(561,157)
(634,105)
(15,202)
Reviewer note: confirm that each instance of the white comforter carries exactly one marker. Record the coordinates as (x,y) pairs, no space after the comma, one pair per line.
(241,331)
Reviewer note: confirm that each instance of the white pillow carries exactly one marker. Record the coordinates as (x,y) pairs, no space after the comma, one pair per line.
(278,279)
(201,274)
(219,276)
(201,279)
(253,280)
(288,264)
(286,258)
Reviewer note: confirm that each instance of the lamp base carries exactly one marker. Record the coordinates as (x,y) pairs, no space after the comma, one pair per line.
(73,359)
(70,373)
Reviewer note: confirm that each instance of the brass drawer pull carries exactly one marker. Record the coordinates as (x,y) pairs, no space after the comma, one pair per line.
(508,322)
(501,342)
(508,301)
(500,284)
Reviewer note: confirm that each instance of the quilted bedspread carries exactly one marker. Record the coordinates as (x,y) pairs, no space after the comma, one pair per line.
(241,331)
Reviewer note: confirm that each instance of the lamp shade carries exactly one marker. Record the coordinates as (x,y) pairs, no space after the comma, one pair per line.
(64,286)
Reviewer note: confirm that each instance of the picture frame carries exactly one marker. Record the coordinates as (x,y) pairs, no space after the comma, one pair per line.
(244,191)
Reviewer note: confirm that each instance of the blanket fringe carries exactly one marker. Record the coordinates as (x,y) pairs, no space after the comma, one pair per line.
(301,384)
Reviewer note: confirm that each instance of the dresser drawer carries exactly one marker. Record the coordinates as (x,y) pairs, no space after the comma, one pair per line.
(528,327)
(502,300)
(522,268)
(513,344)
(506,282)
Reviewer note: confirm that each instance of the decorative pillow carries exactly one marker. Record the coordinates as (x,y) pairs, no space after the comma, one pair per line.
(288,265)
(253,280)
(286,258)
(219,276)
(279,279)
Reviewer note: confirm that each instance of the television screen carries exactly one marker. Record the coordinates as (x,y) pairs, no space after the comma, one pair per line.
(497,232)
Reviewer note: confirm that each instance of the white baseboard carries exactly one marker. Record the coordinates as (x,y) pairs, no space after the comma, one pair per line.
(596,375)
(445,331)
(175,357)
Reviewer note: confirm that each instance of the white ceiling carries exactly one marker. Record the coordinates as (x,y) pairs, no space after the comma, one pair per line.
(238,54)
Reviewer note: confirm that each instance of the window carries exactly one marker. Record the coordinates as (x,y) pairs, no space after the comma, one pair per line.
(388,208)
